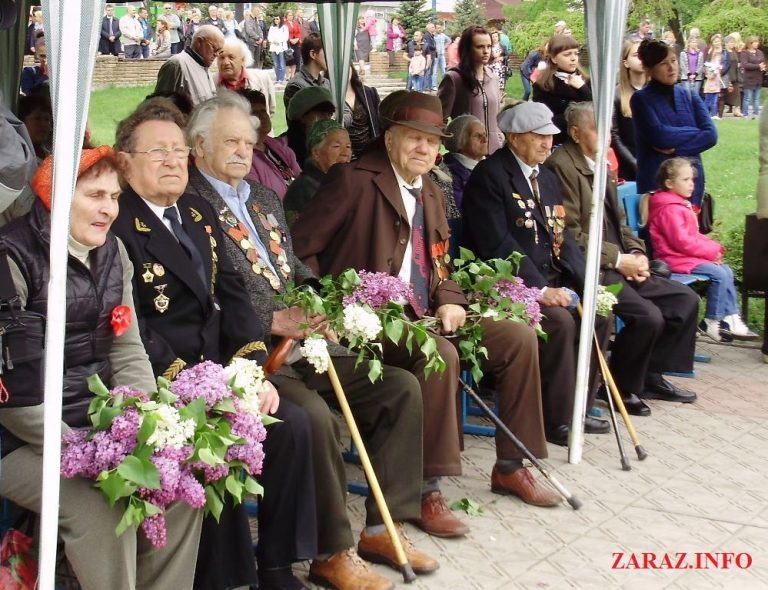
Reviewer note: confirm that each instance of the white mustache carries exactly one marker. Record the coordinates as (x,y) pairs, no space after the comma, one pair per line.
(236,160)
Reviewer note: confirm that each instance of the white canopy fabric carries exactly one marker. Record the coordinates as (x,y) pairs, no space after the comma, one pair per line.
(71,37)
(605,30)
(338,23)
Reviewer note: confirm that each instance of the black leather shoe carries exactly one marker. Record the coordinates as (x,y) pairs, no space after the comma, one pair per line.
(636,406)
(594,425)
(557,435)
(633,404)
(657,387)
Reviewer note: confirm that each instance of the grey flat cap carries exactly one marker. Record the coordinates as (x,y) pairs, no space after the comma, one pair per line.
(528,117)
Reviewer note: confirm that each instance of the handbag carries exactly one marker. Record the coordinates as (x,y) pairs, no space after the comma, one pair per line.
(706,213)
(22,346)
(289,53)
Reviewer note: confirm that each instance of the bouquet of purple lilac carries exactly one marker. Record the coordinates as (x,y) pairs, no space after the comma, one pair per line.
(494,291)
(192,441)
(364,309)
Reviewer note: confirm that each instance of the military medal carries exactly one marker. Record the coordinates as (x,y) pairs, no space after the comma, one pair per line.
(147,276)
(531,204)
(158,269)
(519,222)
(546,210)
(529,223)
(161,301)
(521,204)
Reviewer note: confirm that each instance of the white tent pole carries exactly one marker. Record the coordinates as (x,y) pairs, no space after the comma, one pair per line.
(605,21)
(70,85)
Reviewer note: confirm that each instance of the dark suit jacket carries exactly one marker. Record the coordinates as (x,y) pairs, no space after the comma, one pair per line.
(357,220)
(494,221)
(202,322)
(577,180)
(104,39)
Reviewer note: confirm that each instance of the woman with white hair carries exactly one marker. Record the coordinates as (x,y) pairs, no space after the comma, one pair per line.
(234,61)
(467,146)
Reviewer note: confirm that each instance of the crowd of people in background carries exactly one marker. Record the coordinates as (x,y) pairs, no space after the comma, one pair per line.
(367,189)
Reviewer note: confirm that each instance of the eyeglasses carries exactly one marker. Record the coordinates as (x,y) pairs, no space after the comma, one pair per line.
(161,154)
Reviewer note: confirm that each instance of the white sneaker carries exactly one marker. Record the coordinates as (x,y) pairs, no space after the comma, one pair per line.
(739,329)
(710,329)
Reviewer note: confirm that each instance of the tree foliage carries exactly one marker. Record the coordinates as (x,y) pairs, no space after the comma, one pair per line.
(727,16)
(528,35)
(531,10)
(468,13)
(413,16)
(279,9)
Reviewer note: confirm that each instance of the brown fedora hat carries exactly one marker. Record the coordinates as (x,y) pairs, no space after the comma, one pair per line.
(418,111)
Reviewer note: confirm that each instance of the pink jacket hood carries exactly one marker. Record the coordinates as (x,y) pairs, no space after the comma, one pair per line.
(675,233)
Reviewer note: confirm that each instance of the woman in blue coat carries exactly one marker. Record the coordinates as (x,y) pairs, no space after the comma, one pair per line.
(669,120)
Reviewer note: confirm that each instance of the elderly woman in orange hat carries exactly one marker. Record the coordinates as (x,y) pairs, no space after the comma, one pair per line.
(102,338)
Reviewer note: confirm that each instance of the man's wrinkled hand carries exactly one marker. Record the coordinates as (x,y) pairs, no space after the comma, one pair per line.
(554,297)
(293,323)
(451,316)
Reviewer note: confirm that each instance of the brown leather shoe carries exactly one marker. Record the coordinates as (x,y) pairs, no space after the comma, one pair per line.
(437,519)
(346,571)
(522,484)
(379,549)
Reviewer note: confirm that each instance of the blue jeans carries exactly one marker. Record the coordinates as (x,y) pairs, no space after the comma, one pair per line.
(278,60)
(145,51)
(721,293)
(710,101)
(694,86)
(526,87)
(752,94)
(439,65)
(416,82)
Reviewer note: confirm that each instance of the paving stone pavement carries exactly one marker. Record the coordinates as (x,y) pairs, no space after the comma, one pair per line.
(703,488)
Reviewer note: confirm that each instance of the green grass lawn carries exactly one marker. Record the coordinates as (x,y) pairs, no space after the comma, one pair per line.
(110,105)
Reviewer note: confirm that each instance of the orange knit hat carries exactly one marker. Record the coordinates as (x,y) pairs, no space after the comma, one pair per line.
(42,181)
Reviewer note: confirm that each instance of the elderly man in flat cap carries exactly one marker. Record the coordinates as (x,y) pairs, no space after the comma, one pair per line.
(512,204)
(381,213)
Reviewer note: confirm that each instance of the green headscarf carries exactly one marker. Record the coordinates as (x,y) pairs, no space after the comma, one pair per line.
(320,131)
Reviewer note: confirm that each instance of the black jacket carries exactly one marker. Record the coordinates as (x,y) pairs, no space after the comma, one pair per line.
(91,297)
(497,203)
(623,142)
(558,100)
(212,322)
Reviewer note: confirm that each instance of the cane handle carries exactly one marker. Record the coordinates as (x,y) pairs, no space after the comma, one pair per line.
(278,355)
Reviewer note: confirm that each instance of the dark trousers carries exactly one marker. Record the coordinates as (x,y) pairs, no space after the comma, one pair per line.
(388,415)
(258,56)
(557,362)
(659,332)
(287,527)
(177,47)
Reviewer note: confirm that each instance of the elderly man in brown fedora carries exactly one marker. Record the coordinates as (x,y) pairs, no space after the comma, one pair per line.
(382,213)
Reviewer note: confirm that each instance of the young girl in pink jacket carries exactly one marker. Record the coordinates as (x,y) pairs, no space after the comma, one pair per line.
(674,231)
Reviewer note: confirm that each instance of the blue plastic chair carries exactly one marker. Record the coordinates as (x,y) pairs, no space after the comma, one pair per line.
(630,200)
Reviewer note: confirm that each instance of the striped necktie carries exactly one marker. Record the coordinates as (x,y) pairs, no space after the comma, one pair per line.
(420,264)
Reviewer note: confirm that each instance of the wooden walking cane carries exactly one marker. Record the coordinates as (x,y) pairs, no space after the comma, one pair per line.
(617,399)
(275,360)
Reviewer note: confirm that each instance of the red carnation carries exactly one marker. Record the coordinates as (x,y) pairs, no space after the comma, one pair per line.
(121,319)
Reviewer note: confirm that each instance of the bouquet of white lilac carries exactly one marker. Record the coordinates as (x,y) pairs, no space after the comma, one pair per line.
(606,298)
(192,441)
(364,309)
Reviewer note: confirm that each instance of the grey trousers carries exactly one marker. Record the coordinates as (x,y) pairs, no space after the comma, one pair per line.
(87,524)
